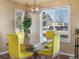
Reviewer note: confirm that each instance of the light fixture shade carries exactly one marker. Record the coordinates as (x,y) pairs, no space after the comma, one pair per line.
(32,9)
(35,9)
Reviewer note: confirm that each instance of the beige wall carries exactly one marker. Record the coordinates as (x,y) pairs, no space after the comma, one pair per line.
(7,20)
(67,47)
(7,13)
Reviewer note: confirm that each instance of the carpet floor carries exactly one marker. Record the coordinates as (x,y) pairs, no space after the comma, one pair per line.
(60,57)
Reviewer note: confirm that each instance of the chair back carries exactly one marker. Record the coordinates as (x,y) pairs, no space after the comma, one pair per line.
(55,44)
(21,37)
(50,36)
(14,45)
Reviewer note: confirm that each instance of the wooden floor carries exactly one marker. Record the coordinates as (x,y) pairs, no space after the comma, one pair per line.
(60,57)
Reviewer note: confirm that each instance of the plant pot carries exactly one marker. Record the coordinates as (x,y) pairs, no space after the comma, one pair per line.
(26,38)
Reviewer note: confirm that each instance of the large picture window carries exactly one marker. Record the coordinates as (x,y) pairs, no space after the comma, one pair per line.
(55,19)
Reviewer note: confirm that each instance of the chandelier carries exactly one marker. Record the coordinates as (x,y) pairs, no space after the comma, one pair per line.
(33,8)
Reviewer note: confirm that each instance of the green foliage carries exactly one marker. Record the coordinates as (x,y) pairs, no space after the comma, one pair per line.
(77,31)
(27,22)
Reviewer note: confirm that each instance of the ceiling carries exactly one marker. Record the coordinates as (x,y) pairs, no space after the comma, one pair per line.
(30,1)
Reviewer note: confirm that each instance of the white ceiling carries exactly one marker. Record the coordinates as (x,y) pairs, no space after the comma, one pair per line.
(31,1)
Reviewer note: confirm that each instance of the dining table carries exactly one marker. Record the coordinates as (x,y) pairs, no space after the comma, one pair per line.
(30,47)
(35,48)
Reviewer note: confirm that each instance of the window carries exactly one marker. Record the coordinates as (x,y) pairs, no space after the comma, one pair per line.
(55,19)
(19,14)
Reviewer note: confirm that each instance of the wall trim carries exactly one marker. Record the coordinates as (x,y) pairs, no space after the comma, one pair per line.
(68,54)
(3,52)
(63,53)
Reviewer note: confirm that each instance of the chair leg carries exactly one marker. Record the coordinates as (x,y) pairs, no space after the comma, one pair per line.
(58,56)
(50,57)
(18,58)
(12,58)
(39,56)
(30,57)
(46,57)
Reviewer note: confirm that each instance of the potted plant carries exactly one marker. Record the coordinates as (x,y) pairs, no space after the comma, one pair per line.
(77,31)
(27,22)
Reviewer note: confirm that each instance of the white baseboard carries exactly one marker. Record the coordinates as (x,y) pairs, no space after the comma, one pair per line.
(63,53)
(3,52)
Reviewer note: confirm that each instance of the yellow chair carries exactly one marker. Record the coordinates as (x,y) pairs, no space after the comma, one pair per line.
(14,48)
(53,46)
(21,38)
